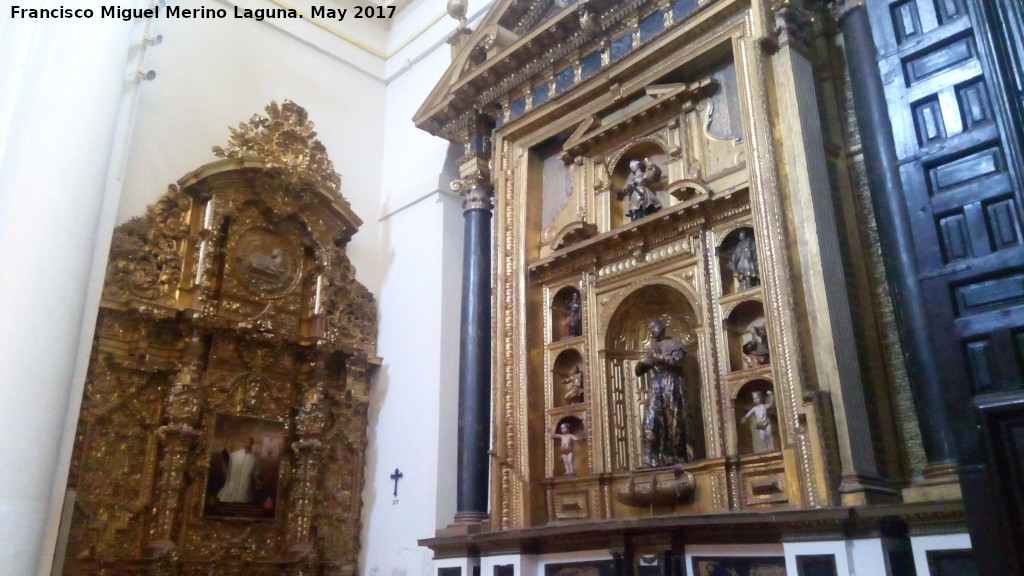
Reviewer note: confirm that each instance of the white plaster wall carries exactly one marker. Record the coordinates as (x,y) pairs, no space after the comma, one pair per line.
(414,405)
(63,87)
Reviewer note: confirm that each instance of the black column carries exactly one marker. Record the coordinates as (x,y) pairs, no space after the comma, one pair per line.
(475,358)
(894,234)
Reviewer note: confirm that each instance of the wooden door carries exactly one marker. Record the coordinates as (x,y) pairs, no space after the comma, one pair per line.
(952,74)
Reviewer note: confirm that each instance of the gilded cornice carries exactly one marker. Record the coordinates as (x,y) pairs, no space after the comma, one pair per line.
(564,37)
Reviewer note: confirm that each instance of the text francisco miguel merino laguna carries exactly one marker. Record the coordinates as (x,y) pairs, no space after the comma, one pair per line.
(117,12)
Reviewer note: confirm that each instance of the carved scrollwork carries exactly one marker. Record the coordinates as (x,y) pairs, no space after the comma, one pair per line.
(146,252)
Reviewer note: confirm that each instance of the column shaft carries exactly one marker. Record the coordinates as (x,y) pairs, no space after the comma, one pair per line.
(894,233)
(475,366)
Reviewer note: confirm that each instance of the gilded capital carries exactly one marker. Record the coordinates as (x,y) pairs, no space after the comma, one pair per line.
(476,192)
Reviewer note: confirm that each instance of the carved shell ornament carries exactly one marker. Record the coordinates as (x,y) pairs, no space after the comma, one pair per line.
(284,140)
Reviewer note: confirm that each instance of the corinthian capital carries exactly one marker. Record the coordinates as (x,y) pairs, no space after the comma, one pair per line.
(476,192)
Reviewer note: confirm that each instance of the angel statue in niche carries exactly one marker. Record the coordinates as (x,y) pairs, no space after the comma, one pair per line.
(567,446)
(642,200)
(761,437)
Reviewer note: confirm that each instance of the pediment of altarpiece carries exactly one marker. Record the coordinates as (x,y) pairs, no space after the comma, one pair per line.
(524,54)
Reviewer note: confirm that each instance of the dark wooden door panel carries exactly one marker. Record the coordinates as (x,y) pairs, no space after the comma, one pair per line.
(954,83)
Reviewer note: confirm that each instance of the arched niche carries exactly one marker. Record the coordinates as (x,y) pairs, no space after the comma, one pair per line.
(577,449)
(730,283)
(746,442)
(627,338)
(567,374)
(620,172)
(566,314)
(744,323)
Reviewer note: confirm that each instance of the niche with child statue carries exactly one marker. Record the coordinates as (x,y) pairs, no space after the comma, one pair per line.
(229,380)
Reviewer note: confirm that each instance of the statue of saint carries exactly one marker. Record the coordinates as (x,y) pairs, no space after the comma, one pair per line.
(755,350)
(573,316)
(574,383)
(743,262)
(567,447)
(642,200)
(760,424)
(664,425)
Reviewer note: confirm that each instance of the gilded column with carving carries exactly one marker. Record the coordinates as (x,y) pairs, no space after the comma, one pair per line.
(177,439)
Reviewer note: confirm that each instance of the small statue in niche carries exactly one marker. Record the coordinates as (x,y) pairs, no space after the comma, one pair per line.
(567,447)
(664,425)
(642,200)
(574,384)
(760,423)
(755,350)
(743,262)
(573,316)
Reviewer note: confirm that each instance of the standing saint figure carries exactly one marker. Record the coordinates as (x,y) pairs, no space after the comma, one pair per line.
(243,472)
(573,316)
(760,424)
(567,447)
(743,262)
(664,426)
(642,200)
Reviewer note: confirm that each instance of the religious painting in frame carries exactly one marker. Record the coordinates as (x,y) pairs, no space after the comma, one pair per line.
(739,566)
(245,463)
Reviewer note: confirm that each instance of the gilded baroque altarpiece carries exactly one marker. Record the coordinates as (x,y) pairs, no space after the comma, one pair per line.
(223,424)
(560,107)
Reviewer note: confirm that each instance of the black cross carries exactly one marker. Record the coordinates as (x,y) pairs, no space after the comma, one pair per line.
(396,477)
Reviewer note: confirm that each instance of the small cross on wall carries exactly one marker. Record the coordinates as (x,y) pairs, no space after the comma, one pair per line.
(396,477)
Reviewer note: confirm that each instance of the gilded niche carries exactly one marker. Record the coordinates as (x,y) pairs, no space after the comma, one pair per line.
(229,379)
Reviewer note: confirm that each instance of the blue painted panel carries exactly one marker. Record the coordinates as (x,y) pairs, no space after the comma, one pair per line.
(622,45)
(517,108)
(564,80)
(683,8)
(651,25)
(540,94)
(590,64)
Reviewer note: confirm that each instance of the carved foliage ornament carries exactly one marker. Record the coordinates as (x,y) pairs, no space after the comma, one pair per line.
(285,142)
(146,252)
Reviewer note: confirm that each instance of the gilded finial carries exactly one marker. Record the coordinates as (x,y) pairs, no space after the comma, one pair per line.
(457,10)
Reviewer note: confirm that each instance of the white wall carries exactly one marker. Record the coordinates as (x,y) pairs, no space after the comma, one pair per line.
(414,405)
(62,87)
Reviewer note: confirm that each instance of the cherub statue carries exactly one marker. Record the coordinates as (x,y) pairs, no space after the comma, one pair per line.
(567,446)
(755,350)
(642,200)
(760,423)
